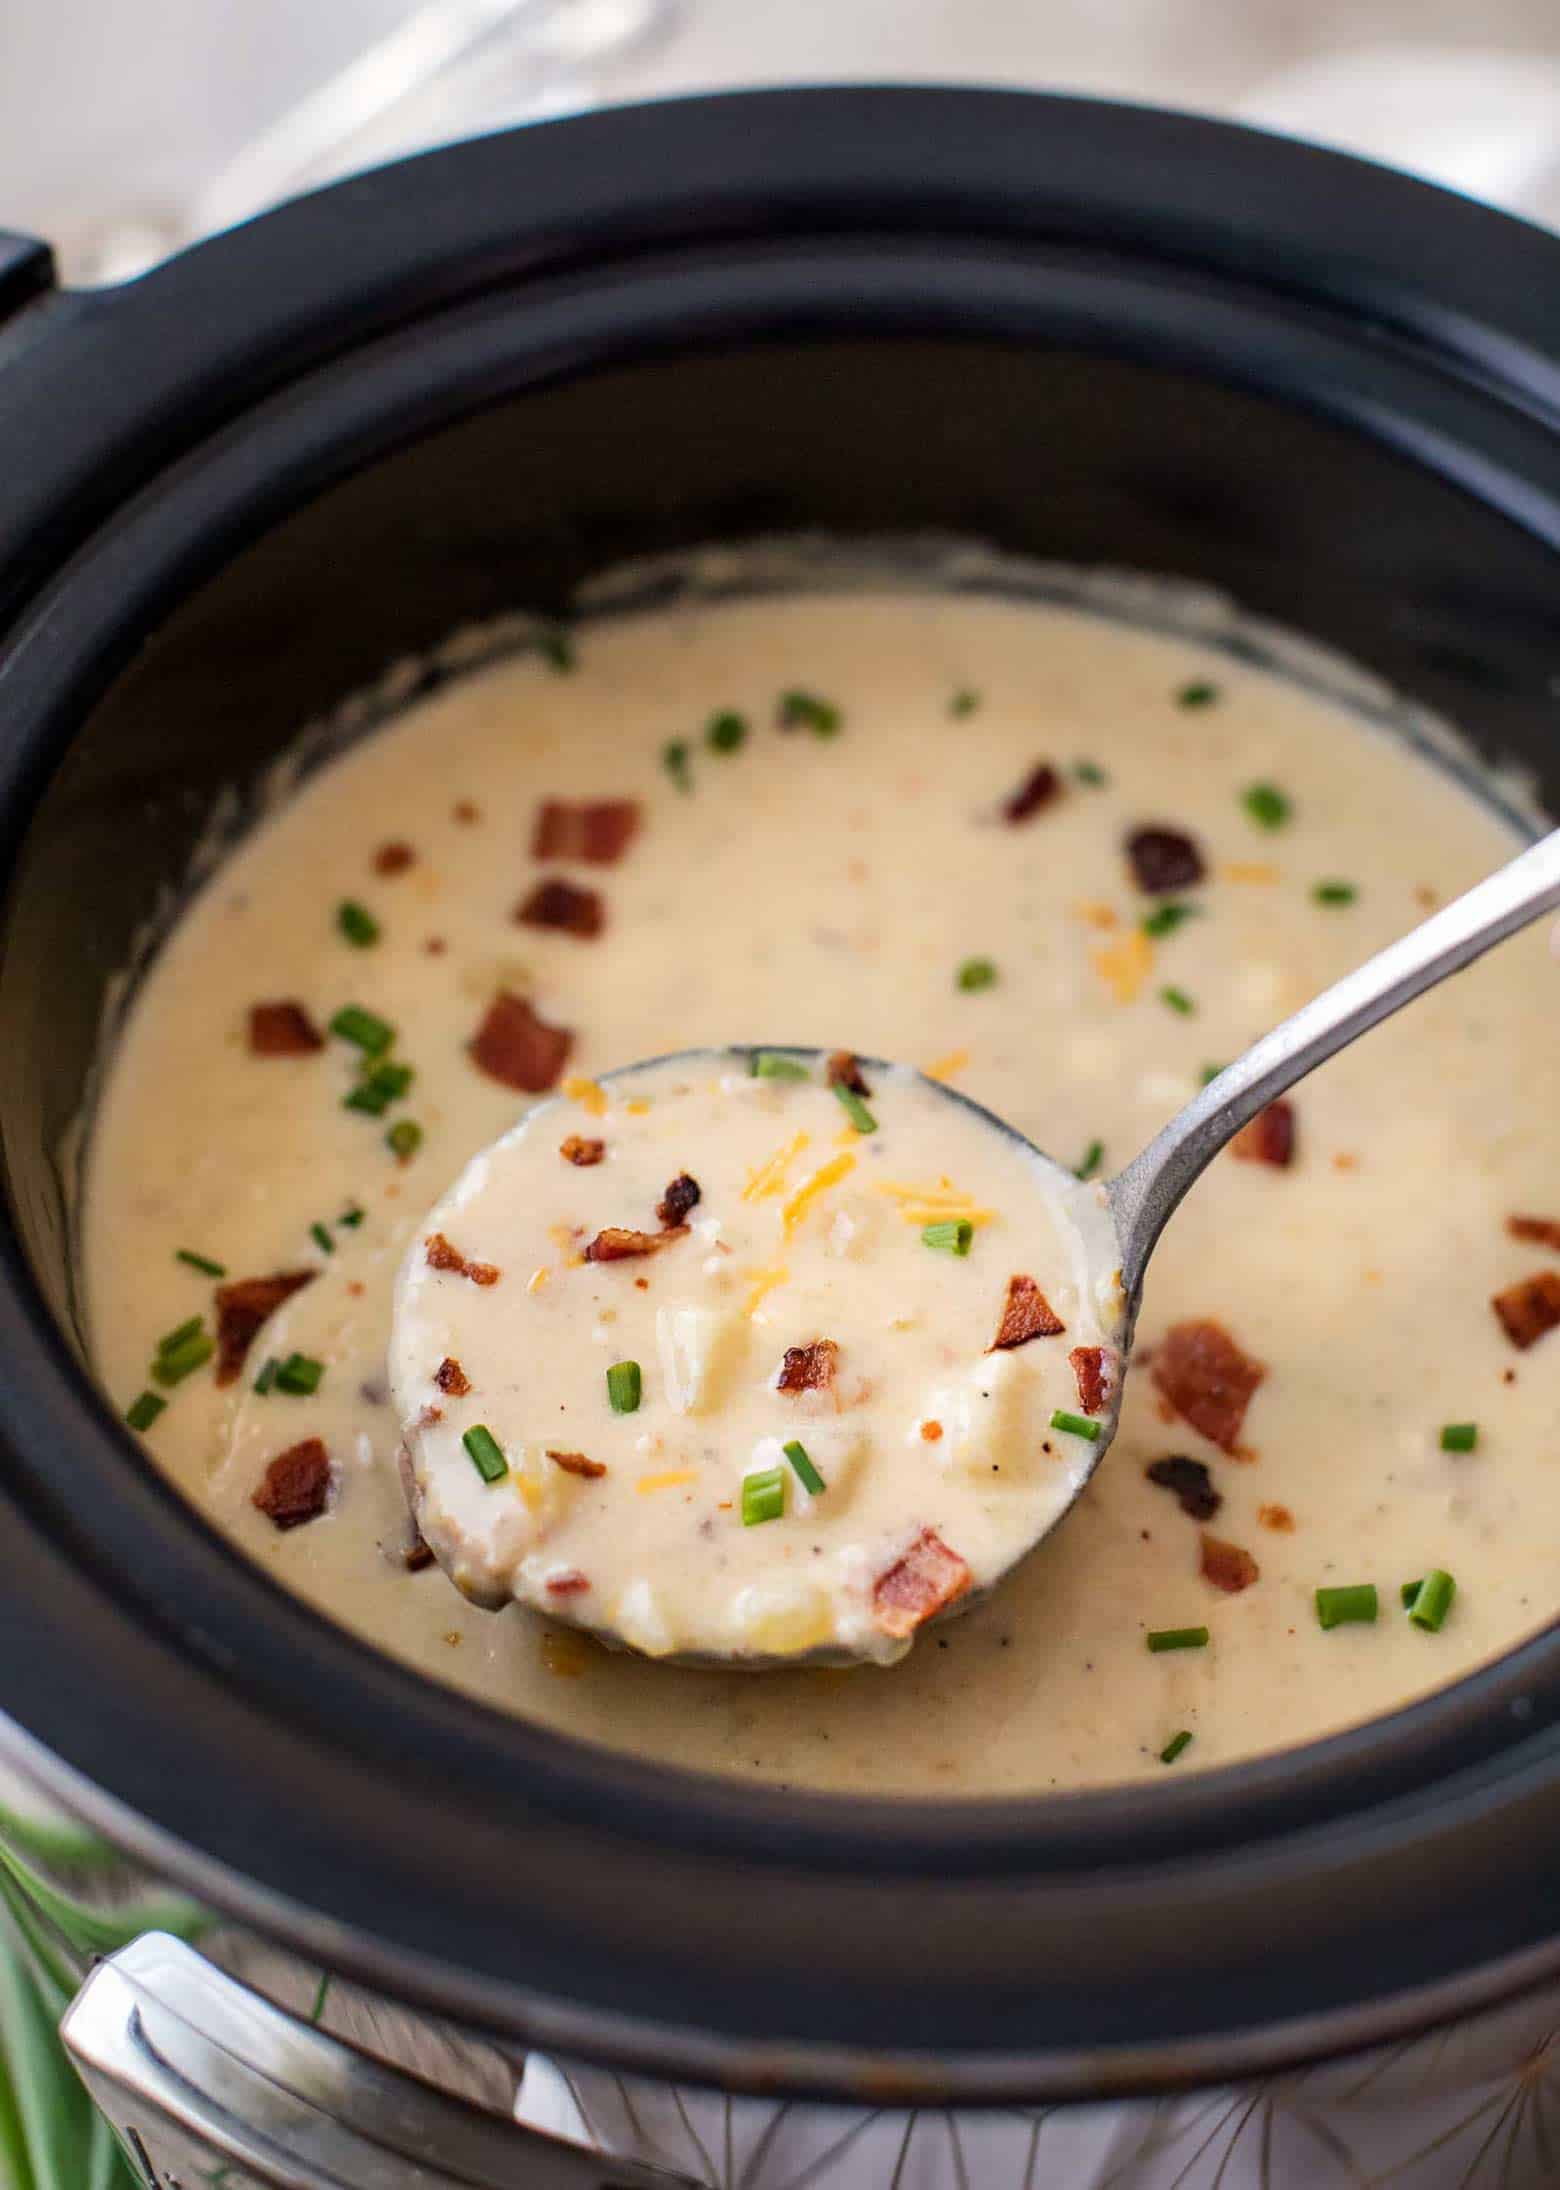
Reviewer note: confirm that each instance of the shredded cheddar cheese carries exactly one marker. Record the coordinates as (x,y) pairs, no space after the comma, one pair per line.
(1250,870)
(638,1108)
(939,1212)
(668,1479)
(537,1279)
(589,1094)
(1097,914)
(944,1068)
(769,1178)
(810,1189)
(530,1492)
(1124,966)
(764,1283)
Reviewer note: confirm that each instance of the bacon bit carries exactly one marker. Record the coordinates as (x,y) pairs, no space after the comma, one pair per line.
(809,1368)
(598,831)
(681,1196)
(575,1463)
(842,1070)
(931,1431)
(837,1168)
(393,858)
(429,1416)
(1189,1483)
(1089,1366)
(442,1256)
(464,811)
(928,1577)
(668,1479)
(567,1584)
(1227,1566)
(1026,1314)
(518,1049)
(1528,1310)
(1277,1517)
(1269,1138)
(1126,965)
(578,1150)
(282,1030)
(1542,1231)
(241,1309)
(1250,870)
(1163,859)
(560,905)
(616,1243)
(1208,1380)
(356,1288)
(295,1485)
(945,1067)
(451,1378)
(418,1553)
(435,946)
(1039,788)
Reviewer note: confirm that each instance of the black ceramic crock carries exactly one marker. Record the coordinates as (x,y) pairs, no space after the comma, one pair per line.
(233,491)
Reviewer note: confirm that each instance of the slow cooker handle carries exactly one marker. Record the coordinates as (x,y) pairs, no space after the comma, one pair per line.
(192,2067)
(26,271)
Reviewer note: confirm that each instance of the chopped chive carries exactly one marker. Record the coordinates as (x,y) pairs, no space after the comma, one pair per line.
(773,1064)
(854,1108)
(172,1340)
(1267,805)
(1334,893)
(365,1029)
(625,1387)
(977,973)
(1093,1157)
(806,711)
(807,1474)
(203,1263)
(556,648)
(1432,1600)
(487,1454)
(351,1217)
(1197,694)
(1176,1638)
(383,1085)
(267,1376)
(1409,1591)
(300,1374)
(725,732)
(1459,1436)
(1081,1425)
(963,702)
(674,759)
(357,923)
(1210,1073)
(322,1239)
(1091,773)
(951,1237)
(1176,1746)
(1165,919)
(143,1412)
(763,1496)
(1178,1000)
(1351,1605)
(183,1360)
(404,1139)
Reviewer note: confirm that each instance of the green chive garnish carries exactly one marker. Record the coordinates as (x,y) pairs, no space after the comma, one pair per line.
(1197,694)
(267,1376)
(1091,773)
(1178,1000)
(351,1217)
(625,1387)
(773,1064)
(763,1496)
(674,759)
(1353,1605)
(1165,919)
(203,1263)
(977,973)
(1176,1638)
(557,650)
(1334,893)
(143,1412)
(366,1029)
(1210,1073)
(320,1234)
(806,711)
(357,923)
(383,1085)
(1175,1746)
(1459,1436)
(952,1237)
(1081,1425)
(807,1474)
(1431,1599)
(1093,1157)
(183,1360)
(855,1109)
(1266,804)
(300,1374)
(725,732)
(964,702)
(404,1139)
(172,1340)
(487,1454)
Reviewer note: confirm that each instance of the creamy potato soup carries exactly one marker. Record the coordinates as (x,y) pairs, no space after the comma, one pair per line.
(1065,865)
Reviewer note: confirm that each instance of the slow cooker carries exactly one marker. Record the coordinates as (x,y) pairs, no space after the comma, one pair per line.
(239,487)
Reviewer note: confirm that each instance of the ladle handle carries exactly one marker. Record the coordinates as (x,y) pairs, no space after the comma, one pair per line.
(1146,1193)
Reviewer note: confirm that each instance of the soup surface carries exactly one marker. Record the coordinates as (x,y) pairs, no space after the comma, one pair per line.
(1066,864)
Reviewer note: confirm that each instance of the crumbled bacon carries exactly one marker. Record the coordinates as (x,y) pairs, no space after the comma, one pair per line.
(560,905)
(1163,859)
(242,1307)
(809,1368)
(514,1046)
(1278,1518)
(842,1069)
(616,1243)
(1529,1309)
(1026,1314)
(451,1378)
(575,1463)
(418,1554)
(1269,1138)
(1540,1231)
(680,1196)
(567,1584)
(442,1256)
(393,858)
(1090,1365)
(1207,1379)
(1189,1483)
(927,1577)
(578,1150)
(1227,1566)
(1039,788)
(296,1484)
(598,831)
(465,812)
(282,1030)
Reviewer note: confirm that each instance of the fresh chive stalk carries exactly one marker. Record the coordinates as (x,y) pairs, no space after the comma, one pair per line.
(1160,1639)
(1351,1605)
(1091,773)
(1431,1600)
(800,710)
(1178,1001)
(383,1085)
(404,1139)
(674,759)
(322,1239)
(1210,1073)
(1166,918)
(1198,693)
(351,1217)
(1267,805)
(964,702)
(977,973)
(763,1496)
(855,1109)
(806,1474)
(625,1387)
(365,1029)
(172,1340)
(1176,1746)
(951,1237)
(1080,1425)
(1093,1157)
(202,1263)
(357,923)
(1459,1436)
(267,1376)
(556,648)
(487,1454)
(300,1374)
(1334,893)
(143,1412)
(726,732)
(773,1064)
(184,1359)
